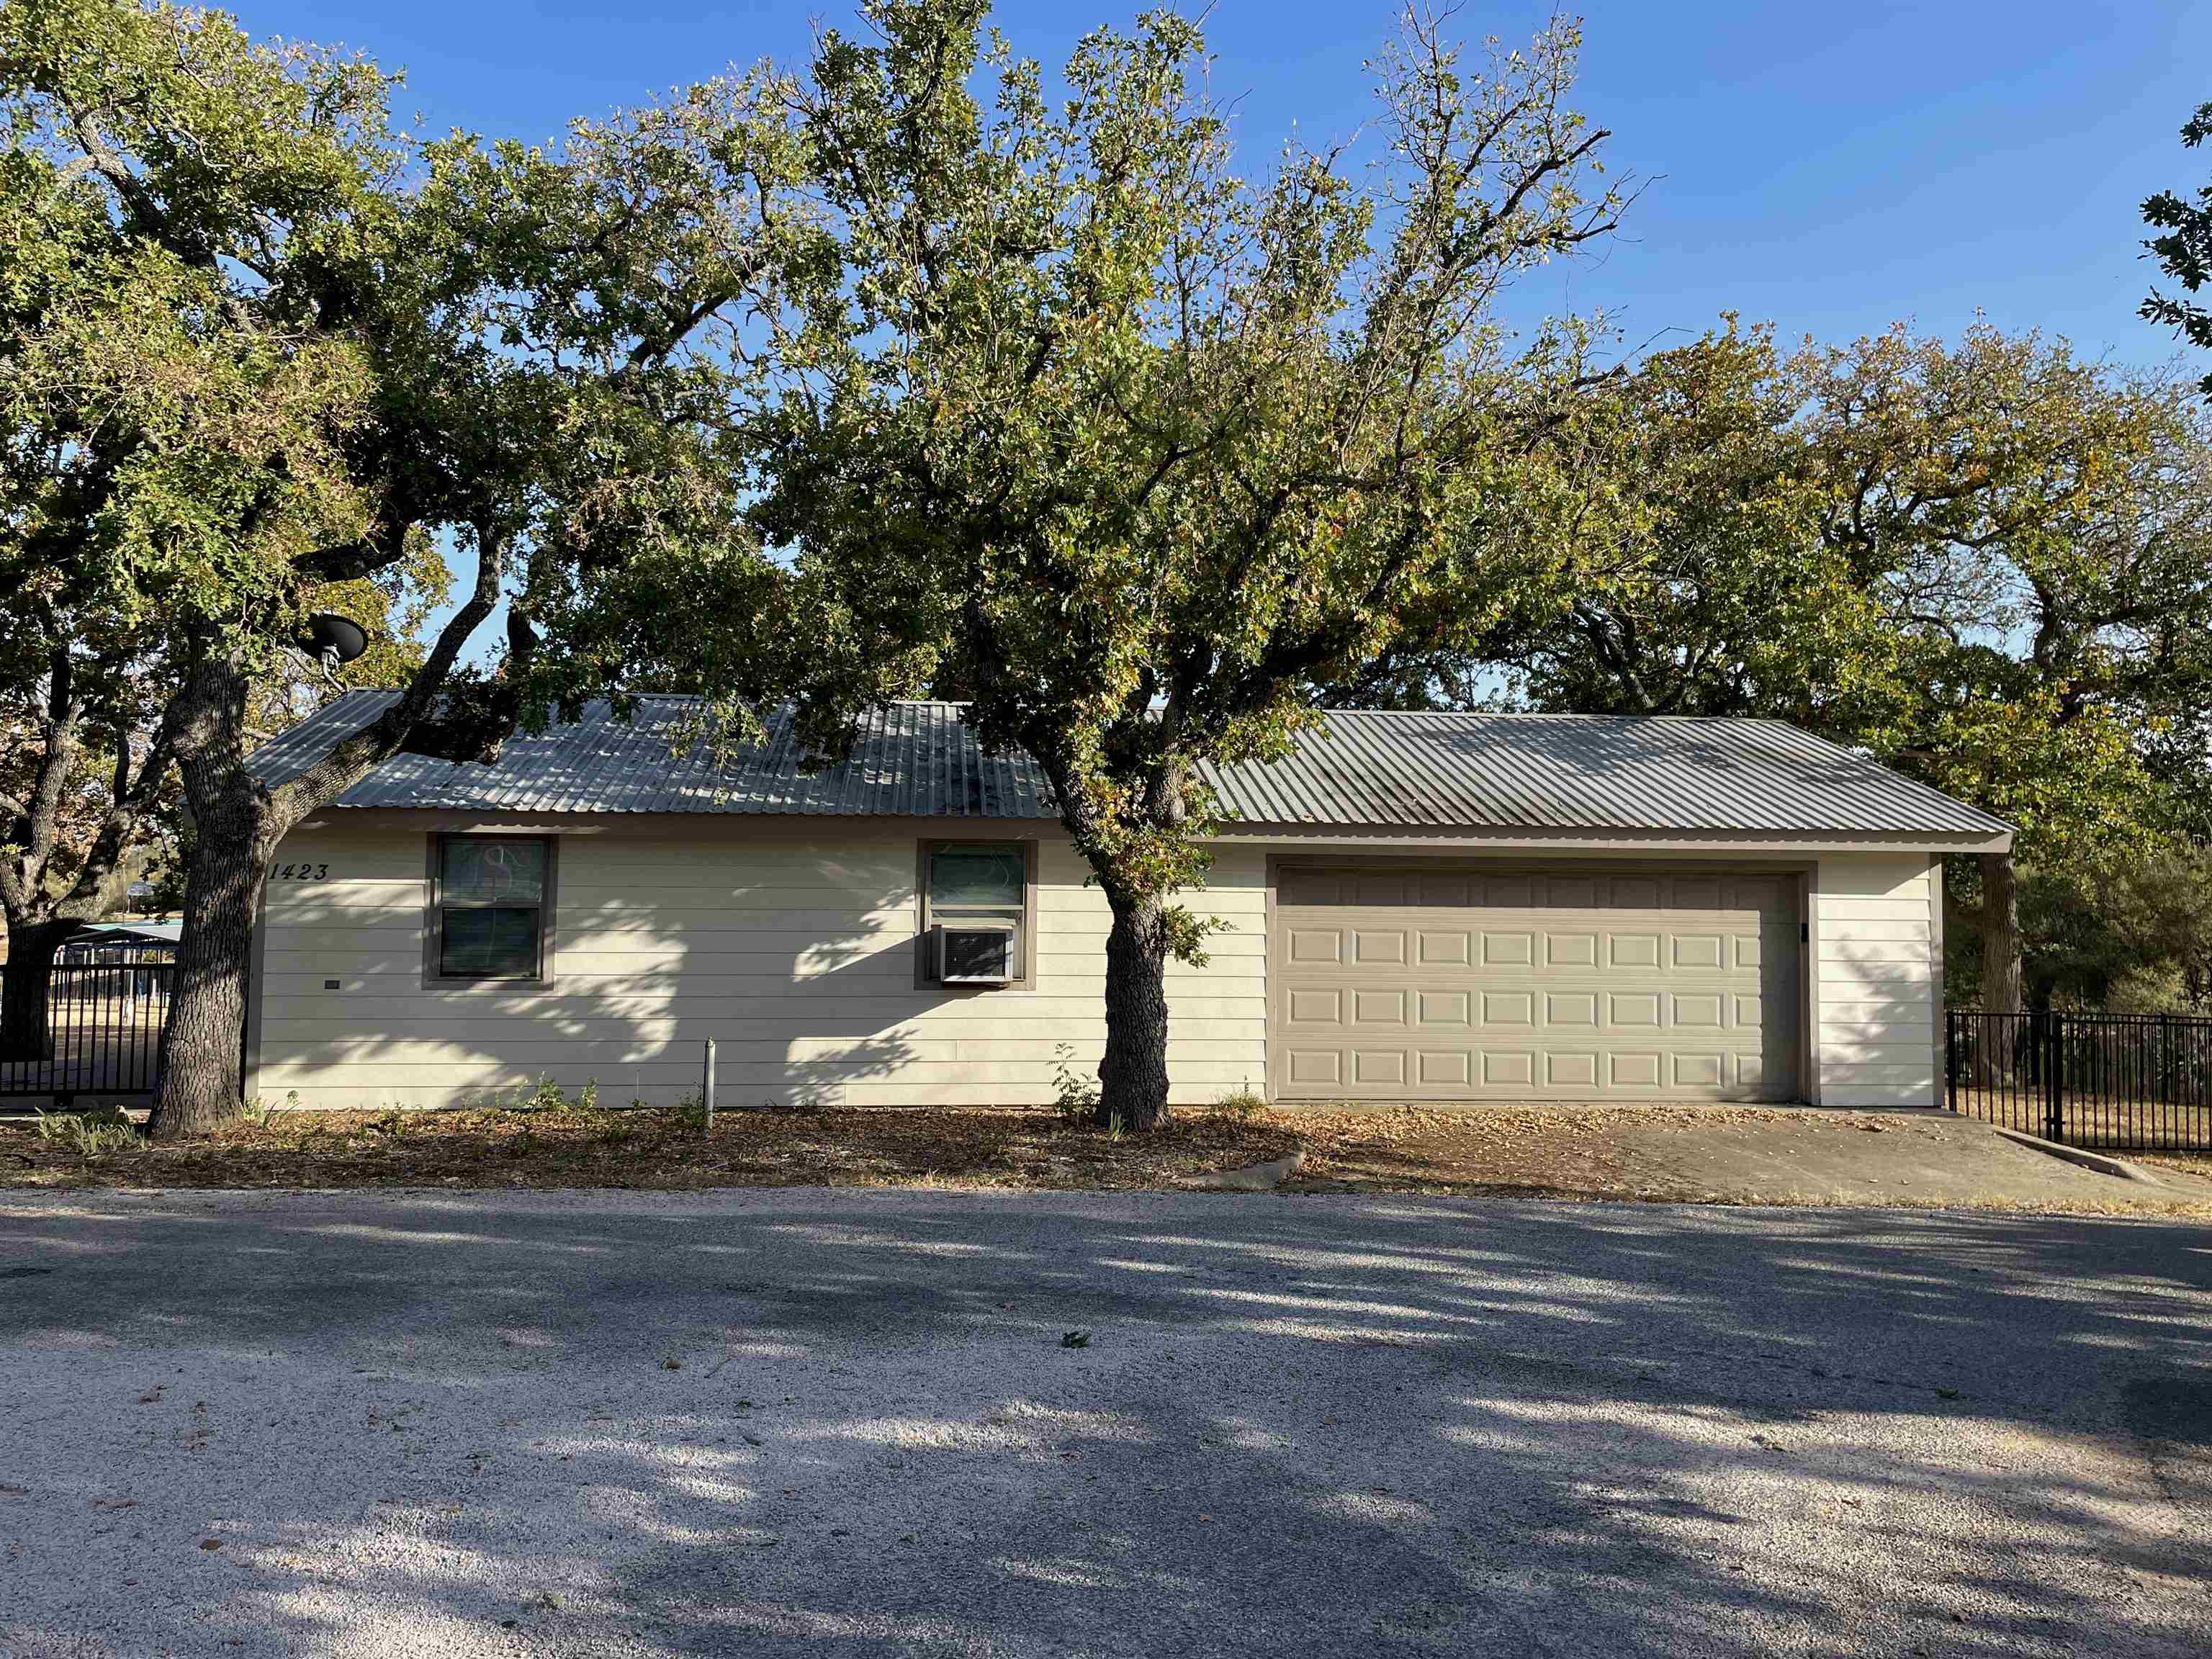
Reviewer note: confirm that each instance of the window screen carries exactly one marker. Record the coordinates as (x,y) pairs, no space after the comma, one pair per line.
(983,879)
(971,882)
(491,907)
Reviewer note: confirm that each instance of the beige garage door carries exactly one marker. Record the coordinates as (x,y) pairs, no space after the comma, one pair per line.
(1434,983)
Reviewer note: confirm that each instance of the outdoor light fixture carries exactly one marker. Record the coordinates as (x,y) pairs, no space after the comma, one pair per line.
(334,639)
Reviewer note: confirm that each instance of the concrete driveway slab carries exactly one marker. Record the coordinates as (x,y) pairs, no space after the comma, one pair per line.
(847,1424)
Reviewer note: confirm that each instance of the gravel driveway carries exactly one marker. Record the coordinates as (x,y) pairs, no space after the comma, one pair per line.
(829,1424)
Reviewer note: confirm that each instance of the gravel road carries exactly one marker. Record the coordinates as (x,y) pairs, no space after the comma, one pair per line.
(909,1422)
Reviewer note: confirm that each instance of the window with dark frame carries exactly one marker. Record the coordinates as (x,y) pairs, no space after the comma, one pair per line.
(976,912)
(490,907)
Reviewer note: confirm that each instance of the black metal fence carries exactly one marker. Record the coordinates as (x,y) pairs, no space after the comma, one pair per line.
(2130,1082)
(101,1033)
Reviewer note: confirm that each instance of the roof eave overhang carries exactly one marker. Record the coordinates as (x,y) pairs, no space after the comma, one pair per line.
(1444,838)
(1406,837)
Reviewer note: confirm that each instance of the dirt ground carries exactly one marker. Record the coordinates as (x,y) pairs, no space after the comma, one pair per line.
(655,1149)
(1730,1155)
(1676,1154)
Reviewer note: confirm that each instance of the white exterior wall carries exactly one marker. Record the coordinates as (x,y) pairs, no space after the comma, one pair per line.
(1875,978)
(790,943)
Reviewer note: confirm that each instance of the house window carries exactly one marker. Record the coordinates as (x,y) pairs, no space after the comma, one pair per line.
(490,907)
(978,908)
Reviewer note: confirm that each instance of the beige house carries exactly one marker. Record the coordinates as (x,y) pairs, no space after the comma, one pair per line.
(1419,907)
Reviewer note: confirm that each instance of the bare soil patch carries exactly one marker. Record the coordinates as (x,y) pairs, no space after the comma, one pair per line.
(1723,1155)
(2190,1163)
(984,1147)
(1669,1154)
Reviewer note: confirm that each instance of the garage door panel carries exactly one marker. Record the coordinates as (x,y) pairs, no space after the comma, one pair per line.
(1633,1069)
(1508,950)
(1373,947)
(1696,1009)
(1634,1010)
(1698,1071)
(1448,891)
(1571,1071)
(1570,950)
(1444,1007)
(1309,887)
(1372,888)
(1761,893)
(1443,949)
(1383,1066)
(1462,983)
(1444,1068)
(1697,950)
(1571,1008)
(1695,893)
(1632,949)
(1378,1007)
(1508,1008)
(1514,1067)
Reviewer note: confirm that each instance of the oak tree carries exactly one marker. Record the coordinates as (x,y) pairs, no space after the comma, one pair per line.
(293,347)
(1134,452)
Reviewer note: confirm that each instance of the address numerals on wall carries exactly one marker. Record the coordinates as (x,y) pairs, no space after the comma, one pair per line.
(302,872)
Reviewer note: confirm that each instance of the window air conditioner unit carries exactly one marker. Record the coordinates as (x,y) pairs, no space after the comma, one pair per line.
(975,952)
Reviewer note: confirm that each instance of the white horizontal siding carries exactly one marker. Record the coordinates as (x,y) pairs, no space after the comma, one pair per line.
(792,946)
(1873,979)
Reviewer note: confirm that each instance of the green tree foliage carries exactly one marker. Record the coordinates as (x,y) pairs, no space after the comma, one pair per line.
(1988,564)
(265,349)
(2183,248)
(2128,929)
(1686,574)
(1131,450)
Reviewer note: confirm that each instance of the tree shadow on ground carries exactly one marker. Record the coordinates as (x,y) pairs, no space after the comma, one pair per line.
(847,1424)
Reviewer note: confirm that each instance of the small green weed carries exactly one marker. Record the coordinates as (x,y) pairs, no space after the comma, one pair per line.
(91,1135)
(545,1098)
(1074,1094)
(261,1108)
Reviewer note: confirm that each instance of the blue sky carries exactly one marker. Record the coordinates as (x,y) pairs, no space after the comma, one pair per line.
(1829,168)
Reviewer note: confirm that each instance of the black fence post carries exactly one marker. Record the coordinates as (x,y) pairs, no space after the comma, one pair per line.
(1951,1019)
(2054,1077)
(2127,1082)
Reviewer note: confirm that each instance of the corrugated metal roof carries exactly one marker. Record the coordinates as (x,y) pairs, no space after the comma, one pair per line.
(1540,772)
(1587,772)
(913,760)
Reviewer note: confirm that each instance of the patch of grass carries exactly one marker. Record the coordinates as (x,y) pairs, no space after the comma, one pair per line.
(91,1135)
(261,1108)
(1247,1102)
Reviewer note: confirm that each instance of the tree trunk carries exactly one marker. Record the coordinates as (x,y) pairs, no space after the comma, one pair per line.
(1133,1078)
(27,1001)
(2001,973)
(202,1084)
